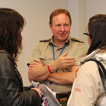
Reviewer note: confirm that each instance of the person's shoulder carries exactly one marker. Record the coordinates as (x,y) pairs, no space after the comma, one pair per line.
(46,40)
(87,67)
(90,65)
(5,56)
(76,40)
(43,43)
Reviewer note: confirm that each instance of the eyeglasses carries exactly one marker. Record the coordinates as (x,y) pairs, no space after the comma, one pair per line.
(87,34)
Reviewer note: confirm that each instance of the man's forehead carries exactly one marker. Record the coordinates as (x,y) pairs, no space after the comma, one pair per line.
(61,18)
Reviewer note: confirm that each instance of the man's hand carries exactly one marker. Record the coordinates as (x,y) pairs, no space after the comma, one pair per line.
(39,91)
(64,62)
(37,71)
(36,64)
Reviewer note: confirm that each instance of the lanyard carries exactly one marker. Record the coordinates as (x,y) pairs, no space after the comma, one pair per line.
(60,52)
(54,56)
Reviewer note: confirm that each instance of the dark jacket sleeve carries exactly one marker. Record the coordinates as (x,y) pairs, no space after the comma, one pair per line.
(11,87)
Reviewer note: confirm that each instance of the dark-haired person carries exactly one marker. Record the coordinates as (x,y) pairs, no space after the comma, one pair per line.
(11,87)
(52,59)
(88,89)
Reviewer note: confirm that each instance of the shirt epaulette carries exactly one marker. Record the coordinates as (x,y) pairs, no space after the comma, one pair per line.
(77,40)
(47,40)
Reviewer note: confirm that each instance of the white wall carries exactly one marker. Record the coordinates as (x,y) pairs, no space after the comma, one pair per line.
(36,13)
(94,7)
(77,10)
(81,11)
(73,9)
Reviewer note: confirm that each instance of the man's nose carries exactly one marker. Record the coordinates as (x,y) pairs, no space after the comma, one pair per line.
(62,28)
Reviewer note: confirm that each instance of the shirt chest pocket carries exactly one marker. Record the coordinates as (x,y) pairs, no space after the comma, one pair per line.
(46,59)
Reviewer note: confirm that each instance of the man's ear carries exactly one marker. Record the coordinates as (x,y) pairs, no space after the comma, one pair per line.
(50,26)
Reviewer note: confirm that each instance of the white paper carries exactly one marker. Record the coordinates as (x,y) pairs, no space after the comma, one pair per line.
(47,93)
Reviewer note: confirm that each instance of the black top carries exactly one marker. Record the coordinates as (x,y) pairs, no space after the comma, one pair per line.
(12,92)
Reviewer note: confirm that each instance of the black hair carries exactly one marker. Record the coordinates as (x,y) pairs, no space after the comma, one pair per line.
(11,25)
(97,29)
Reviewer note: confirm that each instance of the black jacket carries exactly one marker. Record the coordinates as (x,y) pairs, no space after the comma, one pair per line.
(11,87)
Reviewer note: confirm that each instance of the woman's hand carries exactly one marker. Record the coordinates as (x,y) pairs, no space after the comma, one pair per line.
(39,91)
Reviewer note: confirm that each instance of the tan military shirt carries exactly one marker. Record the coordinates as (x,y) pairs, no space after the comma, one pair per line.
(44,52)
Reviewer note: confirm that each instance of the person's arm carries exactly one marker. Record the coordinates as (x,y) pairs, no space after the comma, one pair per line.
(64,77)
(38,72)
(86,87)
(11,86)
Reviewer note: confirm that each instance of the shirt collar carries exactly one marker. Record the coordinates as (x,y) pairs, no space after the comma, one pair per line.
(67,42)
(96,54)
